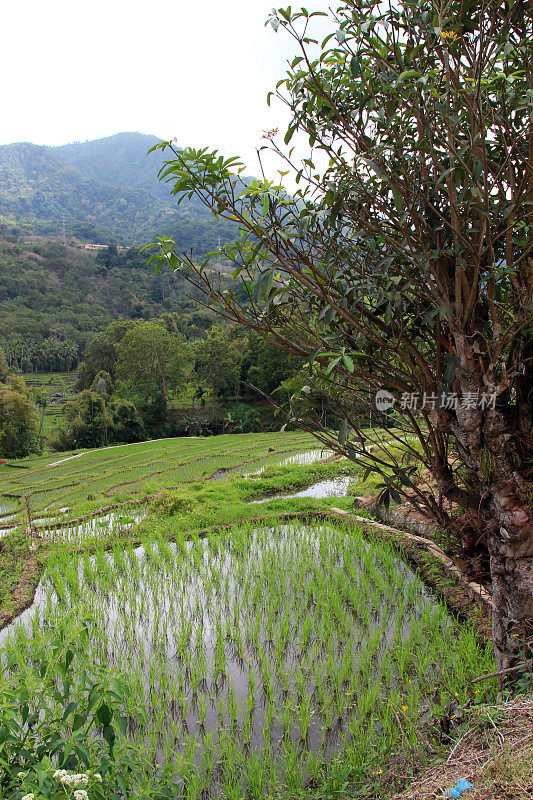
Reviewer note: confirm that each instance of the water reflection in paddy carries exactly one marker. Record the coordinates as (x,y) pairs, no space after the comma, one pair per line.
(333,487)
(275,643)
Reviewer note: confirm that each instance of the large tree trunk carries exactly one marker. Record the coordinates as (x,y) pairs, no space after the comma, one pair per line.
(494,444)
(511,567)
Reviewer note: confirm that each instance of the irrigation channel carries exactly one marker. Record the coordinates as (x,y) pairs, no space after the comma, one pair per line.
(260,655)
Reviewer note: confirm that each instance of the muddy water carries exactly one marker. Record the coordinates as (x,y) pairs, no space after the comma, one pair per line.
(335,487)
(96,526)
(301,459)
(8,515)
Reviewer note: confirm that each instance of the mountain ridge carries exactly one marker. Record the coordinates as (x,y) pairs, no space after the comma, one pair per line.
(106,190)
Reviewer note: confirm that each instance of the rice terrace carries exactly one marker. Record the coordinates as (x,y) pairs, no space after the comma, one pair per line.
(231,689)
(266,420)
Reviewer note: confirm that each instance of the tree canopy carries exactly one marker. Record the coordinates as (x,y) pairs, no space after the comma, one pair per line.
(403,263)
(151,359)
(18,420)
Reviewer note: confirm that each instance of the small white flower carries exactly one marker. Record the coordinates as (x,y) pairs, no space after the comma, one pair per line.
(81,794)
(80,779)
(60,773)
(97,777)
(21,775)
(31,796)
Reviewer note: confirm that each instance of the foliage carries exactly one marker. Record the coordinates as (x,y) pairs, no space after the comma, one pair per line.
(103,384)
(18,422)
(106,190)
(59,711)
(127,424)
(55,299)
(4,368)
(404,261)
(101,354)
(265,365)
(218,363)
(152,359)
(86,423)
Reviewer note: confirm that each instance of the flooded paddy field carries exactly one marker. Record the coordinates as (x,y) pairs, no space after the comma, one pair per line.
(333,487)
(261,654)
(51,492)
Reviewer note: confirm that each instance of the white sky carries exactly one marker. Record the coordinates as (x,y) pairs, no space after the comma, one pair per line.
(198,71)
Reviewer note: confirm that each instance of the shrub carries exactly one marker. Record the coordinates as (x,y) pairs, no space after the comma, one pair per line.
(18,421)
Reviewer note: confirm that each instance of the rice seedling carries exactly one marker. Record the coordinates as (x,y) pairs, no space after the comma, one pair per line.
(260,652)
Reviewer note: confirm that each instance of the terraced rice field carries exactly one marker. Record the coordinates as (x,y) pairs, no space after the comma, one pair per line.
(57,490)
(261,654)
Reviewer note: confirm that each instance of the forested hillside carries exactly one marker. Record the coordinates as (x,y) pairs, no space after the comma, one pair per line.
(55,298)
(106,191)
(121,160)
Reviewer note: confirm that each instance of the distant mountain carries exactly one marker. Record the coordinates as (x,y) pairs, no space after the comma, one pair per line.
(120,160)
(107,191)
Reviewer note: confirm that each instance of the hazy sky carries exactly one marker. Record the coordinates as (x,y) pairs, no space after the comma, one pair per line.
(198,71)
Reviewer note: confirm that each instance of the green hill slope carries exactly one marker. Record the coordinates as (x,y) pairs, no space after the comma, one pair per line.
(54,299)
(106,190)
(121,160)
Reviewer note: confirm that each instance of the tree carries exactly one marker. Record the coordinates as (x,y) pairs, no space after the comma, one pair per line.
(18,421)
(218,363)
(86,423)
(152,359)
(126,421)
(404,263)
(4,369)
(266,365)
(102,354)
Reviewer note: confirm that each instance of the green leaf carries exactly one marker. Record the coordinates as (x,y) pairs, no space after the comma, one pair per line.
(104,714)
(69,709)
(384,499)
(288,136)
(355,67)
(78,721)
(122,783)
(348,363)
(398,202)
(122,724)
(408,73)
(452,362)
(332,364)
(109,735)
